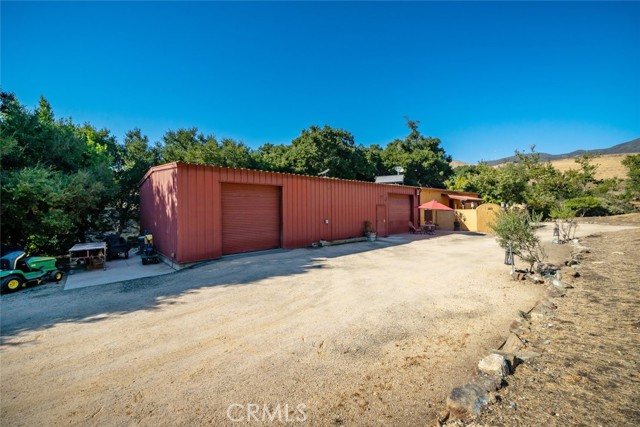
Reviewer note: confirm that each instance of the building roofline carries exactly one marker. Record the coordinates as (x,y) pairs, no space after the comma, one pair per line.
(174,165)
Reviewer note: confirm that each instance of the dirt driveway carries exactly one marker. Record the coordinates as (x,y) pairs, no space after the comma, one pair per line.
(361,334)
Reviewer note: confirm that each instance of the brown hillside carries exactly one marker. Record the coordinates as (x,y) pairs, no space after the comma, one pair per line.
(609,166)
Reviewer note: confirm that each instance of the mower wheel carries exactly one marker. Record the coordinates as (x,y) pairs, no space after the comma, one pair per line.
(12,283)
(55,276)
(144,261)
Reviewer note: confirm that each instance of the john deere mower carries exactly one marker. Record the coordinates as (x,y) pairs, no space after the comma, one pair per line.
(20,271)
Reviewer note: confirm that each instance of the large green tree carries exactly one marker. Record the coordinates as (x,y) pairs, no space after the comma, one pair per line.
(422,158)
(191,146)
(271,157)
(57,177)
(318,149)
(134,158)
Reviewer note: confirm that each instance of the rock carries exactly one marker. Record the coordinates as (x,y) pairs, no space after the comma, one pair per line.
(512,344)
(494,364)
(541,312)
(554,292)
(519,328)
(521,325)
(509,357)
(548,303)
(443,416)
(557,283)
(526,356)
(517,275)
(579,249)
(535,278)
(488,383)
(466,401)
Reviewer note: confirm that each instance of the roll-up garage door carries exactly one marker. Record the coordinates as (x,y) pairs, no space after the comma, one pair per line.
(399,213)
(250,218)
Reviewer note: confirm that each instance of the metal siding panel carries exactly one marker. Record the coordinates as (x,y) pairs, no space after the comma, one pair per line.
(217,213)
(159,213)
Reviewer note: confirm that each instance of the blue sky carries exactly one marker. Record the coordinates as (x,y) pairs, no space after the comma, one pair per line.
(486,78)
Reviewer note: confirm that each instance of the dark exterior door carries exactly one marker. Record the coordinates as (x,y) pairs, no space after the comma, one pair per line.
(399,213)
(251,218)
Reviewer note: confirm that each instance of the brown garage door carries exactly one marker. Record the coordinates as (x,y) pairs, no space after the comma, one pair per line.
(250,218)
(399,213)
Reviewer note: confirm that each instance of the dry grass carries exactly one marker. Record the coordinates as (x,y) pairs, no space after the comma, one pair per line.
(588,372)
(609,166)
(627,219)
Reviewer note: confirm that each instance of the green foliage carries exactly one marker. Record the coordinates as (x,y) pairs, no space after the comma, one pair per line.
(423,159)
(57,177)
(318,149)
(632,185)
(562,211)
(538,184)
(515,228)
(585,206)
(496,185)
(270,157)
(190,146)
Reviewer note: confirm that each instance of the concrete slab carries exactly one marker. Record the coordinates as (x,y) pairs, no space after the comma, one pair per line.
(118,270)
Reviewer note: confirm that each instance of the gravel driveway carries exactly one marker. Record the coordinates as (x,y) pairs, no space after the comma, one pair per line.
(360,334)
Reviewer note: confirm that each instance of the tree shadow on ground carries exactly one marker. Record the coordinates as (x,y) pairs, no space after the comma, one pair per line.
(45,306)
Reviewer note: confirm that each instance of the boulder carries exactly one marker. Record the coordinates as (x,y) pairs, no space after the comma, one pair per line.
(512,344)
(488,383)
(494,364)
(466,401)
(510,357)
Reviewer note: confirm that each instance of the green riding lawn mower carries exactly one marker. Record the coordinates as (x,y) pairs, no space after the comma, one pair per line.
(20,271)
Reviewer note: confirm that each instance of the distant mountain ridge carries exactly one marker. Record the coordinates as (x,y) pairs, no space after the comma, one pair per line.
(629,147)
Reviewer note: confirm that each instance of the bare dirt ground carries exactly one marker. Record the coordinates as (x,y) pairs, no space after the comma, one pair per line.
(588,372)
(362,334)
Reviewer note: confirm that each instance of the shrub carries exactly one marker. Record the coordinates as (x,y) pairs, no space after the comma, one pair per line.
(586,206)
(516,228)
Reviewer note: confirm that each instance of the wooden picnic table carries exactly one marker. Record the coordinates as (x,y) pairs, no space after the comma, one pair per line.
(89,255)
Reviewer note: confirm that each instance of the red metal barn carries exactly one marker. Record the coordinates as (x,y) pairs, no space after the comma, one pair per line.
(204,212)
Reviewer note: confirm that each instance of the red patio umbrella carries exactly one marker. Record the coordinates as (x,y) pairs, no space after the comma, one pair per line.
(434,206)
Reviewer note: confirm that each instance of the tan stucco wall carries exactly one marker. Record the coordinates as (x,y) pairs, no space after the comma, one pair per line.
(445,219)
(468,219)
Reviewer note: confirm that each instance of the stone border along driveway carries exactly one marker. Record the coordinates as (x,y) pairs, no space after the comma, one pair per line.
(467,401)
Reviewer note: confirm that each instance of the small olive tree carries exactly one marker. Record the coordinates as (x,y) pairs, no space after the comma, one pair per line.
(516,229)
(565,219)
